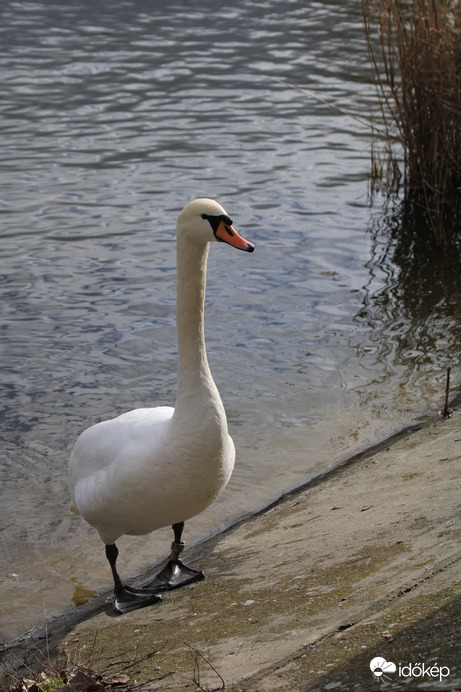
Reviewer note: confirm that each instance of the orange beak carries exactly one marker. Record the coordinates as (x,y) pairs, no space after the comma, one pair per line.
(228,234)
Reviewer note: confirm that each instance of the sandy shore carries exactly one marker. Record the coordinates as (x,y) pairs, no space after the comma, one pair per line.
(363,564)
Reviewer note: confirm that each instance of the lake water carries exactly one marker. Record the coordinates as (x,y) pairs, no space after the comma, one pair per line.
(324,341)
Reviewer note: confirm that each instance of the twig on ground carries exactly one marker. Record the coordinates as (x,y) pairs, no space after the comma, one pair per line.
(446,413)
(196,679)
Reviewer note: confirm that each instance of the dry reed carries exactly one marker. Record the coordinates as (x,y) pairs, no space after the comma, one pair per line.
(415,48)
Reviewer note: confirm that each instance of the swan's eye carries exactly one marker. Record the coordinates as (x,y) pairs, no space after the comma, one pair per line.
(216,220)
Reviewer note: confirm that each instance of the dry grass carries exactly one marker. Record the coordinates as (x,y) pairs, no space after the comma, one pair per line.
(415,47)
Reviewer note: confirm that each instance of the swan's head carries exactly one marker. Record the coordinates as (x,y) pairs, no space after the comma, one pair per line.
(204,220)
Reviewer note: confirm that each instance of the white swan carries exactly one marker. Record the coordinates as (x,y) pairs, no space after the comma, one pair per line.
(154,467)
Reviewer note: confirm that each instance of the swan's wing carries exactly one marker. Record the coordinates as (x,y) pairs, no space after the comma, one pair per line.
(104,443)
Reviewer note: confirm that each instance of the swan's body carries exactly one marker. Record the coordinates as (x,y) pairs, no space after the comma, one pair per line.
(154,467)
(147,472)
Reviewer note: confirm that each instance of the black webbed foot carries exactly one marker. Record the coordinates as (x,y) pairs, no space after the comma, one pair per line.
(175,573)
(127,598)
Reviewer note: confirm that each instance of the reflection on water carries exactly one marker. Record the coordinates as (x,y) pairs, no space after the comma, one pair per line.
(413,308)
(325,340)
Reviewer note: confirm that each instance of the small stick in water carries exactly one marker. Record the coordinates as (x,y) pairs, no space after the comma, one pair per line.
(446,413)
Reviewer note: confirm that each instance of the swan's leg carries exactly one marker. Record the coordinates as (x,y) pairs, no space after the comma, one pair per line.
(125,597)
(175,573)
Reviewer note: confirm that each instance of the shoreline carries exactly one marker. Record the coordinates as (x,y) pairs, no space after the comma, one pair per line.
(303,591)
(72,617)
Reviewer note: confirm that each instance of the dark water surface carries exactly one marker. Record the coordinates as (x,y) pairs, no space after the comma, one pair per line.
(113,116)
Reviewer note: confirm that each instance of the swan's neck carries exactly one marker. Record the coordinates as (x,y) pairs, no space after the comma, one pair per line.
(197,394)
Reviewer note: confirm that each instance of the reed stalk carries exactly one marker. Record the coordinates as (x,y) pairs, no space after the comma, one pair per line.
(415,49)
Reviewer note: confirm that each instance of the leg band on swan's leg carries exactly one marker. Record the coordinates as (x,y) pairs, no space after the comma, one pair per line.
(175,573)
